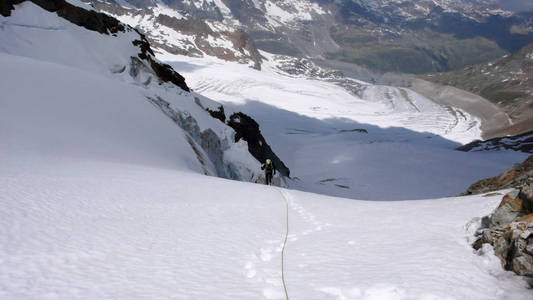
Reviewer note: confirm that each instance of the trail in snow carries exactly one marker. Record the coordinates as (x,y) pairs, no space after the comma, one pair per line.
(72,229)
(5,23)
(283,195)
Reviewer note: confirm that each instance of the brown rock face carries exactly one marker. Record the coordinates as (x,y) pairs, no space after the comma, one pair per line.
(510,231)
(511,178)
(509,209)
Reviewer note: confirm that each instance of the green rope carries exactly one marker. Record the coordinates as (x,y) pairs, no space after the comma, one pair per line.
(284,244)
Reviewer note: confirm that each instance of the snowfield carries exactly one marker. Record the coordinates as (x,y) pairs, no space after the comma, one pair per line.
(103,196)
(72,229)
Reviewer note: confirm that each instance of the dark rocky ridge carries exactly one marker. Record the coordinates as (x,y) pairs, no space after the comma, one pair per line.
(248,129)
(103,24)
(522,142)
(6,7)
(164,72)
(91,20)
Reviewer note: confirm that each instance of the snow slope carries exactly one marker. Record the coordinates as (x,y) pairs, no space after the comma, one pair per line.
(75,229)
(408,153)
(102,197)
(102,100)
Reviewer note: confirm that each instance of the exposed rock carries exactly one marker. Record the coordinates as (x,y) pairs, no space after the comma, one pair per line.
(5,8)
(359,130)
(510,231)
(164,72)
(509,209)
(248,129)
(91,20)
(511,178)
(190,31)
(522,142)
(218,114)
(104,24)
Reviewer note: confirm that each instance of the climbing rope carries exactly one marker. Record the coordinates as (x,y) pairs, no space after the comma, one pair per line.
(284,244)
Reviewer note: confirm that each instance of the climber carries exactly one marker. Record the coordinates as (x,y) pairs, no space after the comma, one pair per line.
(270,170)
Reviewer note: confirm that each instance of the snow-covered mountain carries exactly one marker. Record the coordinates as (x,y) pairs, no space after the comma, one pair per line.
(105,145)
(100,63)
(414,36)
(178,32)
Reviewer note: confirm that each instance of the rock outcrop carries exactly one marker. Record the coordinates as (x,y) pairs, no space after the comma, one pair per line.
(246,128)
(510,231)
(522,142)
(91,20)
(512,178)
(104,24)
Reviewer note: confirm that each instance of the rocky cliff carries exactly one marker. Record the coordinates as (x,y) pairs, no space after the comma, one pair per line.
(509,230)
(512,178)
(247,128)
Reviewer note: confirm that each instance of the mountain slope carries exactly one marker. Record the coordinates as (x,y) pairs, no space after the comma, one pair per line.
(104,196)
(85,230)
(106,75)
(403,36)
(171,31)
(508,82)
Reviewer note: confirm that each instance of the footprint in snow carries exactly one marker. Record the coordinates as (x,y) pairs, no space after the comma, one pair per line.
(250,272)
(266,254)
